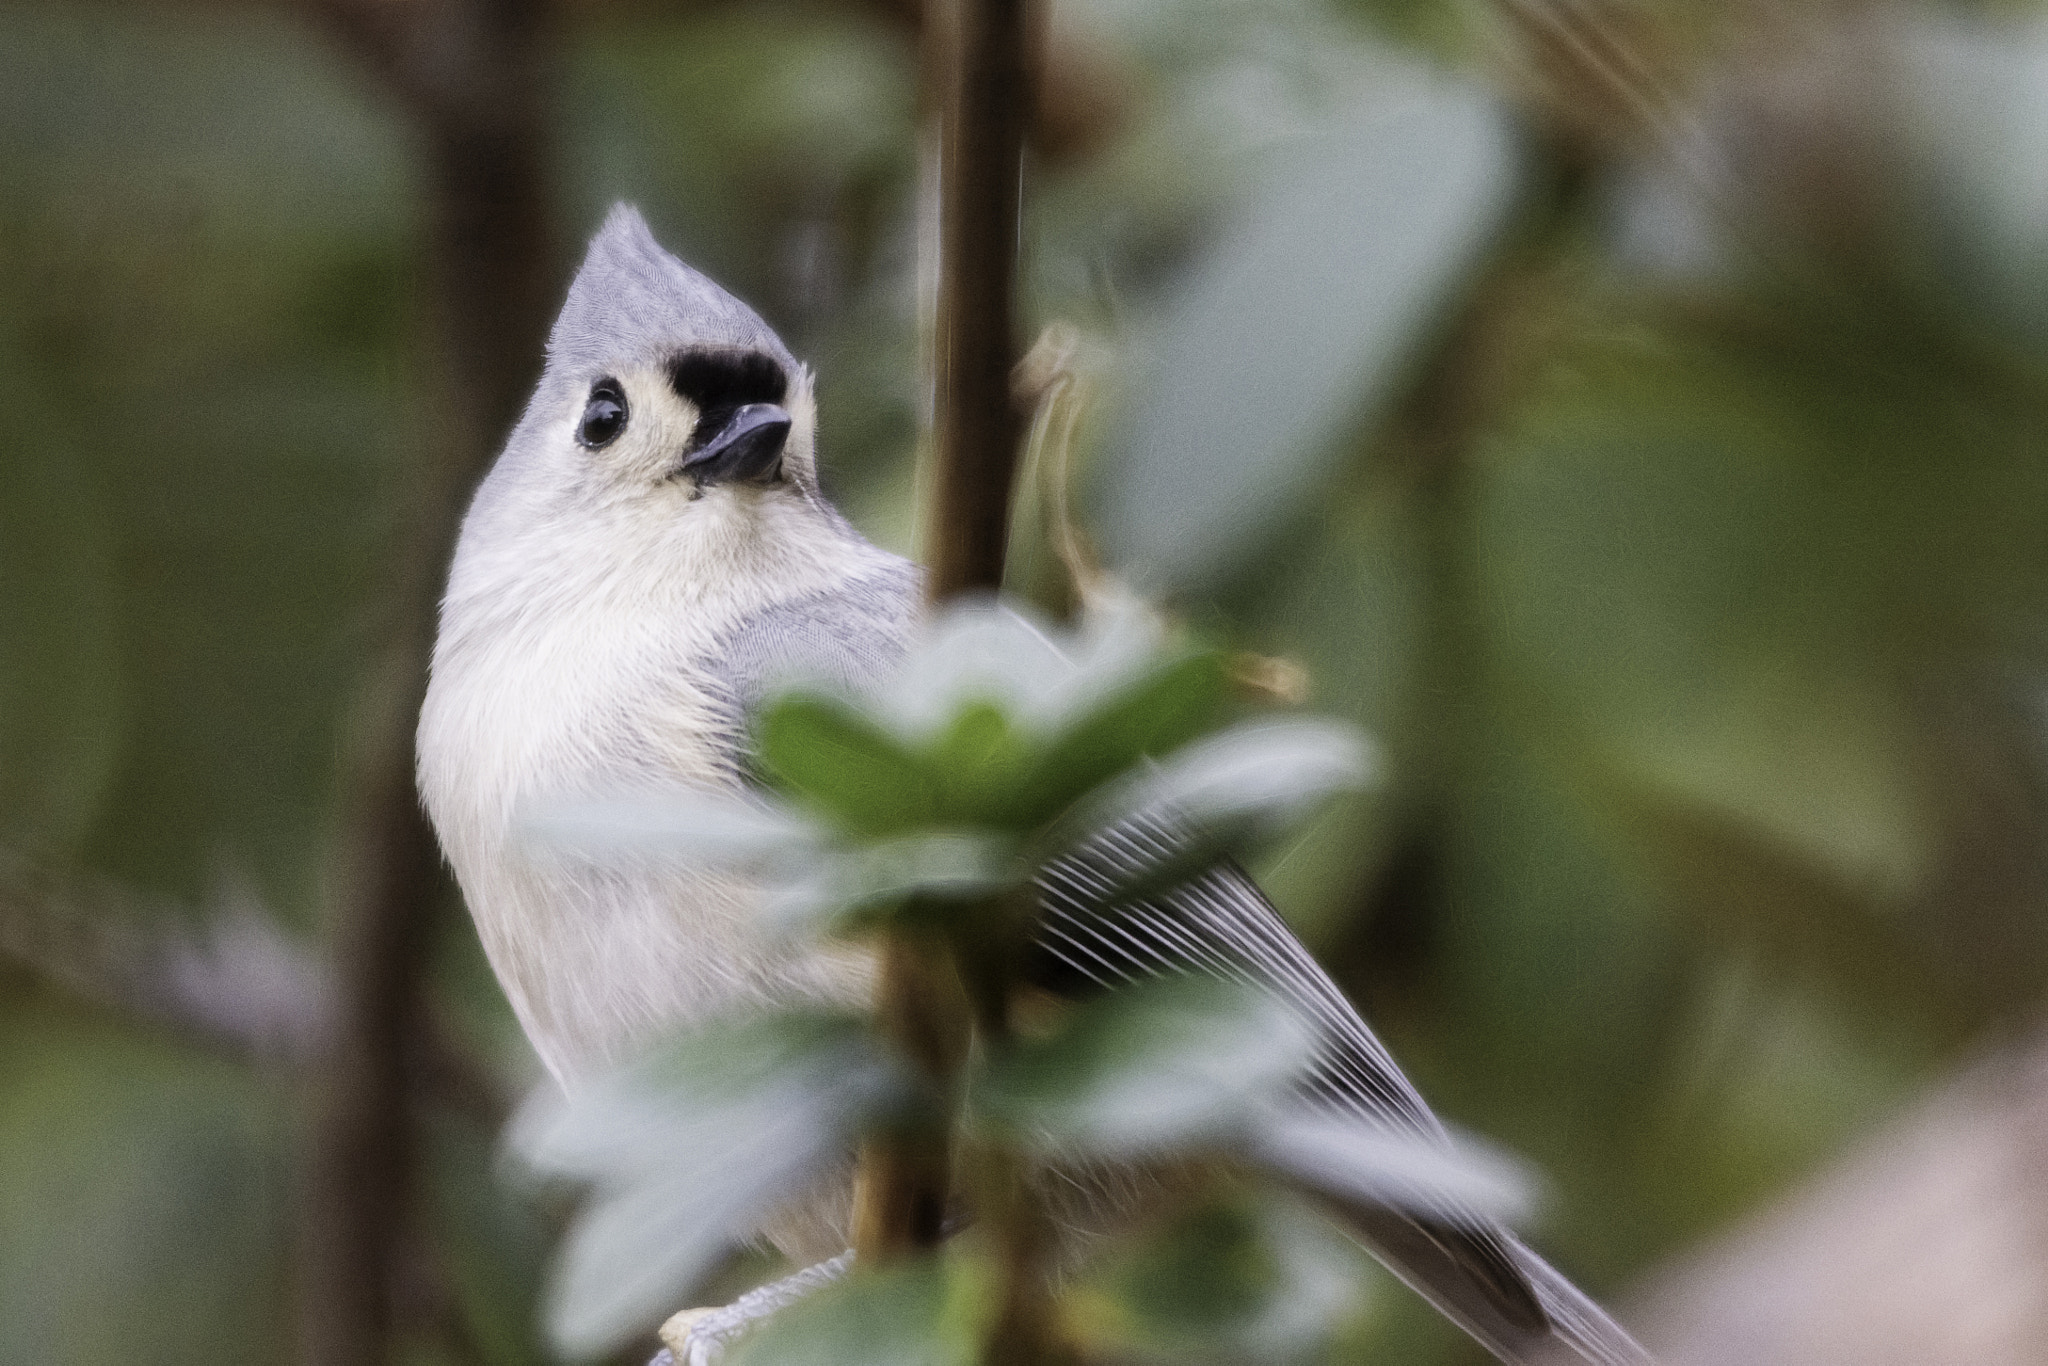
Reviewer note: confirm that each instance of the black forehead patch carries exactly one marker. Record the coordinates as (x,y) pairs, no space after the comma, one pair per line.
(726,377)
(720,381)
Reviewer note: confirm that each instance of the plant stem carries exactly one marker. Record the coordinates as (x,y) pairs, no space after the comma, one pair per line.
(987,106)
(1025,1328)
(906,1177)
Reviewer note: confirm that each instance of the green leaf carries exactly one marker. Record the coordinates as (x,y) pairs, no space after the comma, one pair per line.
(1260,773)
(980,762)
(1308,314)
(928,1312)
(1156,714)
(990,654)
(1230,1279)
(686,1151)
(1167,1065)
(975,653)
(850,888)
(844,764)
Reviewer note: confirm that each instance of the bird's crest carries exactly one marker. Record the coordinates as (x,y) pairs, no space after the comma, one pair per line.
(633,302)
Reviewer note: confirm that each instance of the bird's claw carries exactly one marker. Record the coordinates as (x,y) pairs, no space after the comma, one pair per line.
(698,1337)
(693,1337)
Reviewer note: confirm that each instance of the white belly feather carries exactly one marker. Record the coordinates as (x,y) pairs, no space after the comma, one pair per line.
(599,695)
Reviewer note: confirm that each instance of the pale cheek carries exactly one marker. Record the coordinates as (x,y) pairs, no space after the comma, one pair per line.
(648,451)
(803,429)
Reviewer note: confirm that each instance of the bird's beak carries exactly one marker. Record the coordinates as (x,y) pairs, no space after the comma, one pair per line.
(747,449)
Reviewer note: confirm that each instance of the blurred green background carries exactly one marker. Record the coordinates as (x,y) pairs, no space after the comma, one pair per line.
(1643,431)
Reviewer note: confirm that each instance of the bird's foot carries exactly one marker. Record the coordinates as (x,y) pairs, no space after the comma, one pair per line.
(698,1337)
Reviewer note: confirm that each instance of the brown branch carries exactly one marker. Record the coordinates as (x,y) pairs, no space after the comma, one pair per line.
(987,106)
(905,1176)
(471,73)
(981,56)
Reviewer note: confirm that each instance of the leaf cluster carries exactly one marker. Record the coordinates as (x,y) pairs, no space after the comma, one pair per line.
(921,814)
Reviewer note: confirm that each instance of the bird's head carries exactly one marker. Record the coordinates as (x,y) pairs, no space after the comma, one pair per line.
(664,399)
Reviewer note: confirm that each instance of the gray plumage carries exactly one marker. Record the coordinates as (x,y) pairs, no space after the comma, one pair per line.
(610,616)
(635,302)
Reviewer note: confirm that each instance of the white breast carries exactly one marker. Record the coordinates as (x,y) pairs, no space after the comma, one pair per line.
(580,671)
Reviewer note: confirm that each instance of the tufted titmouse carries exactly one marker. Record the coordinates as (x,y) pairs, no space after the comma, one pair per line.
(650,549)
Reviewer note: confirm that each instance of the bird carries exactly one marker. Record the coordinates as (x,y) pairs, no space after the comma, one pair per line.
(650,550)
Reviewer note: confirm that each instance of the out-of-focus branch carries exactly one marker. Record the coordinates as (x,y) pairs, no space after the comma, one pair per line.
(986,111)
(1079,95)
(237,984)
(980,57)
(232,982)
(1928,1245)
(471,73)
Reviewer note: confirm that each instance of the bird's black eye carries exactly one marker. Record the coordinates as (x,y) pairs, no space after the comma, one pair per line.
(604,416)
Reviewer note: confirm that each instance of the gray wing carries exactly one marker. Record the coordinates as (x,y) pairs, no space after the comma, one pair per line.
(844,638)
(1473,1270)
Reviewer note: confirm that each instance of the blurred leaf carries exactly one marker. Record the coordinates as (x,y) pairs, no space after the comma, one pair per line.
(992,720)
(1352,1158)
(1261,774)
(927,1312)
(988,652)
(686,1151)
(980,761)
(1236,1280)
(1152,716)
(1821,773)
(632,1119)
(1160,1066)
(852,886)
(1675,555)
(1971,109)
(830,755)
(974,653)
(1309,312)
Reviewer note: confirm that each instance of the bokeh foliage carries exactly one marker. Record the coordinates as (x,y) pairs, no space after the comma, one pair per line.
(1680,544)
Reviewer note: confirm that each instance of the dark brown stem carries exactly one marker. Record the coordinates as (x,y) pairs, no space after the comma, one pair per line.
(987,107)
(470,72)
(982,47)
(1025,1328)
(905,1177)
(359,1143)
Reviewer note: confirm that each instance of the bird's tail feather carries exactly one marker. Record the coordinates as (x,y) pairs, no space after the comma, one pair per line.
(1459,1271)
(1577,1325)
